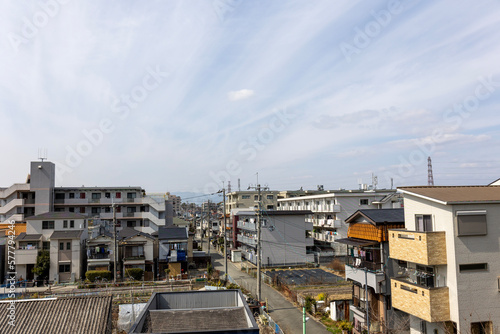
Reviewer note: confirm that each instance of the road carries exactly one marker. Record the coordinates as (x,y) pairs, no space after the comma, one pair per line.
(288,317)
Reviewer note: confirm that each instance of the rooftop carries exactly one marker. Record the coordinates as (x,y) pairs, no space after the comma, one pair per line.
(61,315)
(172,233)
(57,215)
(456,194)
(70,234)
(379,216)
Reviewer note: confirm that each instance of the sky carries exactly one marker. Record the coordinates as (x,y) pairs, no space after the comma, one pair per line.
(183,96)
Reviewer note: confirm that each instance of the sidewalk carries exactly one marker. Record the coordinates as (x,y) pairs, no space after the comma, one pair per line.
(288,317)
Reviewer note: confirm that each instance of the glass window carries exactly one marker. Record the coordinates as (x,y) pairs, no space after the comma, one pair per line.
(61,246)
(423,223)
(270,196)
(82,209)
(46,245)
(473,267)
(363,201)
(71,195)
(71,223)
(68,245)
(471,223)
(82,195)
(96,195)
(47,225)
(65,224)
(118,195)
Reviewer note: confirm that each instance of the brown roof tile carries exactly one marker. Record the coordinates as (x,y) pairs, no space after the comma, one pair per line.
(457,194)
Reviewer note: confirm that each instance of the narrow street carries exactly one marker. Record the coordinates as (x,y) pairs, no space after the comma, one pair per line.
(288,317)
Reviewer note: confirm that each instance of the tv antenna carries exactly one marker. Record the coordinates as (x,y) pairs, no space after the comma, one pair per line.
(42,154)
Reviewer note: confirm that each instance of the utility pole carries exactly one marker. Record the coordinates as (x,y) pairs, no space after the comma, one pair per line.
(208,222)
(114,244)
(303,320)
(225,233)
(259,250)
(367,303)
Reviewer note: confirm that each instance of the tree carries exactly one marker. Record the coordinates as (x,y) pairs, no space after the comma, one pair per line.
(42,266)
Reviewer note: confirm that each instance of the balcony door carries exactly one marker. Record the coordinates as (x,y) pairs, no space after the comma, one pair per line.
(423,223)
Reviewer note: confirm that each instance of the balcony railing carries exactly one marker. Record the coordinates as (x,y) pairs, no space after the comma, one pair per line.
(136,257)
(427,248)
(99,256)
(359,303)
(247,225)
(357,262)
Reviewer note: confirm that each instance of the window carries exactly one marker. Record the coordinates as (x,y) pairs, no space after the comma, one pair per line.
(484,327)
(96,195)
(245,196)
(68,245)
(61,246)
(270,196)
(107,209)
(46,245)
(328,202)
(84,223)
(64,268)
(131,209)
(71,224)
(256,197)
(65,224)
(82,195)
(473,267)
(107,195)
(47,225)
(423,223)
(423,327)
(96,210)
(118,195)
(471,222)
(363,201)
(82,209)
(131,223)
(58,209)
(131,195)
(71,209)
(71,195)
(60,196)
(270,207)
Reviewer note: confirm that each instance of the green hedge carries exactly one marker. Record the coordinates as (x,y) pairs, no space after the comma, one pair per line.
(91,275)
(135,273)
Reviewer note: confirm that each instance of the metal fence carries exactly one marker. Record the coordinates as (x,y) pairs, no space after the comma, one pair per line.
(271,323)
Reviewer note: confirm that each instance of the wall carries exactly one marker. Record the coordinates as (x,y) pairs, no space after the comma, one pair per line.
(42,183)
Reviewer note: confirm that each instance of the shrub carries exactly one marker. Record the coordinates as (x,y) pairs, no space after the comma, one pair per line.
(321,296)
(92,275)
(134,273)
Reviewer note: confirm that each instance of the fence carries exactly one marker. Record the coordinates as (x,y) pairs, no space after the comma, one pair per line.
(271,323)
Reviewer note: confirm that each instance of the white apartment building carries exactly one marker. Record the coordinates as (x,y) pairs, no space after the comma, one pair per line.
(63,235)
(250,199)
(447,259)
(329,211)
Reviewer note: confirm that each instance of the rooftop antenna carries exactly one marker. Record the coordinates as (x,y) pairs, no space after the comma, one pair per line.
(228,186)
(430,178)
(239,185)
(42,154)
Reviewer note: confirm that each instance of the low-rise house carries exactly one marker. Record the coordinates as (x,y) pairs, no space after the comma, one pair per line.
(368,263)
(173,250)
(137,250)
(100,252)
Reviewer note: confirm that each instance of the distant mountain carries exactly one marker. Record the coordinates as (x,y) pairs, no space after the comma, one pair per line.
(197,198)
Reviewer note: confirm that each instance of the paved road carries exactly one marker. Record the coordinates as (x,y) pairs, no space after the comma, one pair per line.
(288,317)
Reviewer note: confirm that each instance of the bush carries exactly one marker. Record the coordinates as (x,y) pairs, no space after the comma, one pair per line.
(92,275)
(134,273)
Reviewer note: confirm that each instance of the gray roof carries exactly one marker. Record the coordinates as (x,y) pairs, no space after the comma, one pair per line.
(57,215)
(28,237)
(61,315)
(129,232)
(70,234)
(194,321)
(276,213)
(379,216)
(172,233)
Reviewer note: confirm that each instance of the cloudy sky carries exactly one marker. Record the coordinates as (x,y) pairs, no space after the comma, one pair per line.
(181,95)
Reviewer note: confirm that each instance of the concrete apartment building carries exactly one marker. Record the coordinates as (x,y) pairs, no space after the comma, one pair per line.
(448,277)
(63,235)
(368,262)
(285,236)
(331,209)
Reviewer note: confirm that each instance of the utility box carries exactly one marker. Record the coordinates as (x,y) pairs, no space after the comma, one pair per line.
(235,255)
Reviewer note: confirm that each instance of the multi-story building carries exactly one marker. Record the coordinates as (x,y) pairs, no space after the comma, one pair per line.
(176,204)
(63,234)
(368,263)
(285,236)
(100,252)
(330,209)
(173,250)
(39,195)
(448,259)
(250,199)
(138,250)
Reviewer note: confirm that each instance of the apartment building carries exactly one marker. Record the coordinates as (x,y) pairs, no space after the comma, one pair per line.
(63,234)
(176,204)
(331,209)
(368,264)
(250,199)
(285,236)
(448,268)
(39,195)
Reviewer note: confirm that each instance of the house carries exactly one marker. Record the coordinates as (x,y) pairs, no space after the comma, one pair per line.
(89,314)
(285,236)
(100,251)
(216,311)
(138,250)
(63,234)
(368,264)
(447,259)
(173,250)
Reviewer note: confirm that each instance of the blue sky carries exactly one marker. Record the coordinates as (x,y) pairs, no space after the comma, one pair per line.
(181,95)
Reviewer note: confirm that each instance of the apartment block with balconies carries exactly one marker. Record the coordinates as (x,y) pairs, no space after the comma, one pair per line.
(446,259)
(369,268)
(285,236)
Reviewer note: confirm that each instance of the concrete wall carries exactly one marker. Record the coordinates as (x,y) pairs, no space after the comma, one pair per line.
(42,183)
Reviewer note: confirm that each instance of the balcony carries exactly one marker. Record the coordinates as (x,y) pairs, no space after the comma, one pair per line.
(429,304)
(247,225)
(427,248)
(99,256)
(26,256)
(355,271)
(247,240)
(327,208)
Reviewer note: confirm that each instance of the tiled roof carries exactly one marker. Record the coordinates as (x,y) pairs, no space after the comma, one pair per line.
(456,195)
(28,237)
(172,233)
(71,234)
(57,215)
(128,232)
(61,315)
(379,216)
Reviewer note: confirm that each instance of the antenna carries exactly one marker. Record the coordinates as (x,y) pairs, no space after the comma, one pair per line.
(42,154)
(430,178)
(228,186)
(239,185)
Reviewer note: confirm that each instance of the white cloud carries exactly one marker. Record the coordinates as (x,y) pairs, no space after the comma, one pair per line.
(240,94)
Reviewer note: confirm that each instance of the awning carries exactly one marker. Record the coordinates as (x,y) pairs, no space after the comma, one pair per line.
(357,242)
(131,262)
